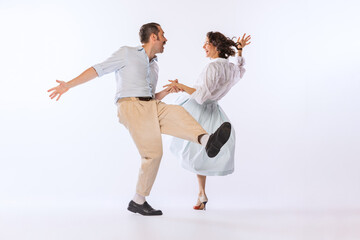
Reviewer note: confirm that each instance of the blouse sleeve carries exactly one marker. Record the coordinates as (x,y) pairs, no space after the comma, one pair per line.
(205,84)
(239,69)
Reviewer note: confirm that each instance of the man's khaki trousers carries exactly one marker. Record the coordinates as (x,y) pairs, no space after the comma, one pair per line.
(146,121)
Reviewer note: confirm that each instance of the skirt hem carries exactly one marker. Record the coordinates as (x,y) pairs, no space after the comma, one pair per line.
(208,173)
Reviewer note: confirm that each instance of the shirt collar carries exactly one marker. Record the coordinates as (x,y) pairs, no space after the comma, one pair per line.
(155,58)
(140,48)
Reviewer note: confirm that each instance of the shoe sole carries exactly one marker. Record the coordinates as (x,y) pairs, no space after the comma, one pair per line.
(220,142)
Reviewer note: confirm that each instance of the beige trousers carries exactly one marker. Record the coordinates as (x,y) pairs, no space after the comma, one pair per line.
(146,121)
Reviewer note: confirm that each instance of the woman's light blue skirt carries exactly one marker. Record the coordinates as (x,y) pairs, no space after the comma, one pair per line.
(192,155)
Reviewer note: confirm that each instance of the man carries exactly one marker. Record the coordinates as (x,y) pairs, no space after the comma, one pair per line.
(141,111)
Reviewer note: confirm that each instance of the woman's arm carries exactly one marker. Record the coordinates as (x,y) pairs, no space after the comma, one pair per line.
(181,86)
(187,89)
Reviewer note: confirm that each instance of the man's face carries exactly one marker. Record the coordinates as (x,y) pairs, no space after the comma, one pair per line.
(160,41)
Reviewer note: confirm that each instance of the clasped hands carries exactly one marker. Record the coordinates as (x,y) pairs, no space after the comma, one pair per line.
(173,87)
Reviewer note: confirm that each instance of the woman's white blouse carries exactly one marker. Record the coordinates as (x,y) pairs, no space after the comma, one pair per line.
(218,77)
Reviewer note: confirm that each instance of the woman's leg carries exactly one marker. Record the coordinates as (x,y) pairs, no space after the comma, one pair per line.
(202,199)
(202,181)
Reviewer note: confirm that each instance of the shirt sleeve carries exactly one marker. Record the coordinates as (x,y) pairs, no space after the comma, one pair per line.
(207,84)
(115,62)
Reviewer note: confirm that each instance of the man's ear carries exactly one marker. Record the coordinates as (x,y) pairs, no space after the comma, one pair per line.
(153,37)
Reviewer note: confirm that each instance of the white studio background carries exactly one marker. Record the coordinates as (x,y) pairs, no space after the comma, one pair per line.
(296,112)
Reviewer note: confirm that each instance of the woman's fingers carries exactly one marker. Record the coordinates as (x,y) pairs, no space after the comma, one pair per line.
(169,85)
(244,40)
(243,37)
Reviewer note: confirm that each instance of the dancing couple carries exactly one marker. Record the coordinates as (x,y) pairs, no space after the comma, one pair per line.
(141,111)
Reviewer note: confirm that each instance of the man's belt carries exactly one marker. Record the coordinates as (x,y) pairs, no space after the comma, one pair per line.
(145,98)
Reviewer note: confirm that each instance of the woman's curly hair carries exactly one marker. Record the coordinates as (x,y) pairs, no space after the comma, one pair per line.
(224,45)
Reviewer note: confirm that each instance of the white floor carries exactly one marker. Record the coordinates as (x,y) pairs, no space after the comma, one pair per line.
(184,224)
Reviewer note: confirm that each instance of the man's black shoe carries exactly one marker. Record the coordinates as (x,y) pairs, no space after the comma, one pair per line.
(218,139)
(143,209)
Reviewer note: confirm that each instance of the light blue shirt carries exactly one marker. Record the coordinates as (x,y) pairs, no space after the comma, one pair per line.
(135,75)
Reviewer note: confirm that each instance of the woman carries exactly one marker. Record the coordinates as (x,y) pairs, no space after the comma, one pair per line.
(218,77)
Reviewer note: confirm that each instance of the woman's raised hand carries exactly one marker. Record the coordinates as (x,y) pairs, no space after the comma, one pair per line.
(244,40)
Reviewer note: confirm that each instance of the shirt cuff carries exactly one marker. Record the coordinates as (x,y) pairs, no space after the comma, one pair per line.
(197,96)
(240,60)
(98,69)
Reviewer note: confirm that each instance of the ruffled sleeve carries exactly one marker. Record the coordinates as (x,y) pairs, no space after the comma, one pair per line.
(239,69)
(205,84)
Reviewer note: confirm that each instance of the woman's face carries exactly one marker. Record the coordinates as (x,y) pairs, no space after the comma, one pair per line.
(210,49)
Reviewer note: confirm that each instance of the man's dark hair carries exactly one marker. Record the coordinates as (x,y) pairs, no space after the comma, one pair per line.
(146,30)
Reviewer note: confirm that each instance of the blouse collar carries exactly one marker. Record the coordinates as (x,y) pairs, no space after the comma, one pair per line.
(219,59)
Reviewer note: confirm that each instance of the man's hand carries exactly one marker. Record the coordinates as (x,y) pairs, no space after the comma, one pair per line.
(173,89)
(59,90)
(63,87)
(174,85)
(166,91)
(169,90)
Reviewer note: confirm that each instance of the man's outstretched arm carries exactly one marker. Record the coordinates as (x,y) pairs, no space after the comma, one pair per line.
(63,87)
